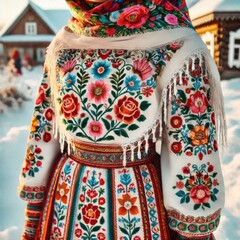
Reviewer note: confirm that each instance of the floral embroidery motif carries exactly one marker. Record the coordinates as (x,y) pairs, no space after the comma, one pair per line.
(91,207)
(129,208)
(41,125)
(192,225)
(62,201)
(151,202)
(120,18)
(32,194)
(107,91)
(197,185)
(33,161)
(192,124)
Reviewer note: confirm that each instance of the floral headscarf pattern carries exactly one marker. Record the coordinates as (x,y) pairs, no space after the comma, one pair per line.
(115,18)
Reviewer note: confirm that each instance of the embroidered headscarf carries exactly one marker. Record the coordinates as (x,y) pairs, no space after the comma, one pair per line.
(114,18)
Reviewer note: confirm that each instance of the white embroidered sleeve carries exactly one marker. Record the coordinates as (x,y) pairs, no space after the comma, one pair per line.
(193,187)
(42,147)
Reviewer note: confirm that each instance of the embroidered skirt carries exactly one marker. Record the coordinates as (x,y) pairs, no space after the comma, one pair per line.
(92,196)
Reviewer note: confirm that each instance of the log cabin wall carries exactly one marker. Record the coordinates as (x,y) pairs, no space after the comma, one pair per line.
(221,28)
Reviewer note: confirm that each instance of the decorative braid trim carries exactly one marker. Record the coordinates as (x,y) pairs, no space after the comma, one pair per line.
(31,194)
(32,216)
(190,227)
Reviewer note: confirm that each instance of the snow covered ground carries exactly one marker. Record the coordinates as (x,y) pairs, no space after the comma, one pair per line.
(14,125)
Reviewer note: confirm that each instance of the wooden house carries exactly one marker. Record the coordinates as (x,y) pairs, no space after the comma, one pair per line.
(31,31)
(218,23)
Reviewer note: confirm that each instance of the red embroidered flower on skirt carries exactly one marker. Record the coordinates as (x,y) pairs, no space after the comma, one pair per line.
(101,236)
(90,214)
(92,193)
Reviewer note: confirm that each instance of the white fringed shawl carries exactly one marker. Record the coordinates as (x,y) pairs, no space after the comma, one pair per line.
(193,48)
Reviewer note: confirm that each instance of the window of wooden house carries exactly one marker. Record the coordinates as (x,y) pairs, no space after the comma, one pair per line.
(41,54)
(30,28)
(234,49)
(208,38)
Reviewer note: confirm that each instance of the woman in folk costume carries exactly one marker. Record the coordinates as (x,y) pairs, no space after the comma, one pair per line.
(122,76)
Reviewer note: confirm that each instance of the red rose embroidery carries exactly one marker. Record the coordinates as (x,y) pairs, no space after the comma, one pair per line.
(200,194)
(176,122)
(168,6)
(70,106)
(101,236)
(90,214)
(92,193)
(47,137)
(101,201)
(37,150)
(38,163)
(179,184)
(176,147)
(197,102)
(78,232)
(82,198)
(49,114)
(88,63)
(186,170)
(133,17)
(127,110)
(110,31)
(210,168)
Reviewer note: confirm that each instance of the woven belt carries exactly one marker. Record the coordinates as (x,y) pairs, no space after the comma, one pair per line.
(109,156)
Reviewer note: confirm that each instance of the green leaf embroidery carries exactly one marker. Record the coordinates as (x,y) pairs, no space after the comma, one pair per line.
(180,193)
(84,122)
(144,105)
(196,206)
(142,118)
(133,127)
(106,123)
(123,230)
(206,205)
(180,177)
(83,226)
(135,230)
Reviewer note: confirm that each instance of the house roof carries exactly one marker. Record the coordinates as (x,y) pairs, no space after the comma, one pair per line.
(54,18)
(204,7)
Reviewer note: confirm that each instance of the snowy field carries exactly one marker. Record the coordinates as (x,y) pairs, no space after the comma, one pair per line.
(14,124)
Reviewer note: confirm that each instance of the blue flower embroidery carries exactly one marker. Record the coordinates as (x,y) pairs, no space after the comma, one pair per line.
(70,80)
(151,83)
(132,83)
(114,16)
(101,69)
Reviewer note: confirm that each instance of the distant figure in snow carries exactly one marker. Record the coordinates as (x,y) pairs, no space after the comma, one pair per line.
(14,64)
(27,62)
